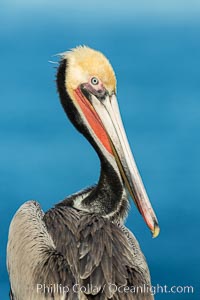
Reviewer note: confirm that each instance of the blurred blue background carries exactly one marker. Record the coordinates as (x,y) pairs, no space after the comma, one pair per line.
(154,47)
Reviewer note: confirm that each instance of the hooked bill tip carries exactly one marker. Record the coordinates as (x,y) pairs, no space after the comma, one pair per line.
(156,230)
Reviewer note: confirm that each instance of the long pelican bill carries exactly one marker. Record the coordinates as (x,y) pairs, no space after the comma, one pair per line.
(104,118)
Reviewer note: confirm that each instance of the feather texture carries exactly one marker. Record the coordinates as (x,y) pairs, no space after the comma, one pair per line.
(69,248)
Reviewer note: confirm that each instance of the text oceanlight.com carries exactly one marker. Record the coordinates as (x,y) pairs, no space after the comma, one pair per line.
(142,289)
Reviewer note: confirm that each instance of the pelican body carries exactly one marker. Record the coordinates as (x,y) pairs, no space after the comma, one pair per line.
(80,249)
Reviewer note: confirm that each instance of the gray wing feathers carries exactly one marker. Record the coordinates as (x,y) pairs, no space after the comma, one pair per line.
(68,247)
(62,225)
(138,258)
(31,255)
(107,260)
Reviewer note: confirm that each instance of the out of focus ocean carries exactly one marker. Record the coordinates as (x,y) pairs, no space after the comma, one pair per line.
(42,157)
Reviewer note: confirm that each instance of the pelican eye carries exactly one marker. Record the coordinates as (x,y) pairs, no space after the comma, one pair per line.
(94,81)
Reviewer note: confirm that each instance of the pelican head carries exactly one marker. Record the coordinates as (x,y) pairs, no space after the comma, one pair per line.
(87,87)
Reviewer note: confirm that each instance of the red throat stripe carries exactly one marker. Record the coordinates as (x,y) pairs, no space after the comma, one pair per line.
(93,119)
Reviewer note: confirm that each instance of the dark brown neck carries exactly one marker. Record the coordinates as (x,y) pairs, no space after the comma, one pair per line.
(108,198)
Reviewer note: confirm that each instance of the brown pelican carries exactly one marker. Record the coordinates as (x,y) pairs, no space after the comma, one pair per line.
(80,249)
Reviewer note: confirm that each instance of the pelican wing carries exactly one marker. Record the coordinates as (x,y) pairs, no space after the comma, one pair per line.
(37,270)
(110,258)
(62,224)
(77,250)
